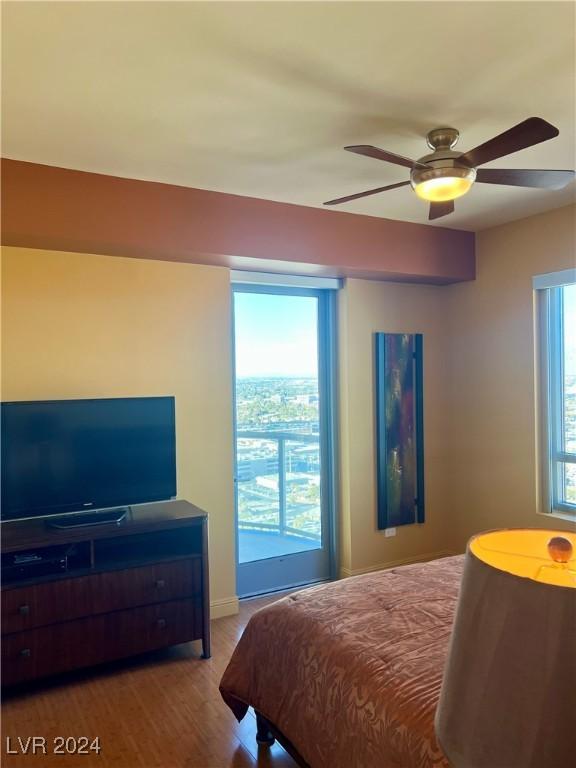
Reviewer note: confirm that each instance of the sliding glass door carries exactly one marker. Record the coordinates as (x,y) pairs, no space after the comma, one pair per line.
(283,437)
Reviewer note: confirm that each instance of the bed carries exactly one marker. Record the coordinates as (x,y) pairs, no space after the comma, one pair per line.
(348,674)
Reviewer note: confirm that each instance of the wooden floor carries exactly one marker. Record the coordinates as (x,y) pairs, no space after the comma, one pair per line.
(159,711)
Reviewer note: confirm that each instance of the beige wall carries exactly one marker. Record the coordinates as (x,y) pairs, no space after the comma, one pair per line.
(366,307)
(479,395)
(76,325)
(492,471)
(87,326)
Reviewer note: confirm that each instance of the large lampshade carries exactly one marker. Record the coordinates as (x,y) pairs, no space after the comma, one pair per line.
(508,697)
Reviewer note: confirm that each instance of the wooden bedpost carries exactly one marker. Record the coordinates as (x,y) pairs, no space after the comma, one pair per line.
(263,733)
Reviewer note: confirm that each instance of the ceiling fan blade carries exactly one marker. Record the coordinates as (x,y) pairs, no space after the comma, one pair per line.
(525,134)
(365,194)
(437,210)
(516,177)
(382,154)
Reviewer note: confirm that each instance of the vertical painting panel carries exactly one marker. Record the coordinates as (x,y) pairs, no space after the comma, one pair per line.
(399,438)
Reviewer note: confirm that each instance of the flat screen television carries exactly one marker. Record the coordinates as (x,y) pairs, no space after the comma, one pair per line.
(62,456)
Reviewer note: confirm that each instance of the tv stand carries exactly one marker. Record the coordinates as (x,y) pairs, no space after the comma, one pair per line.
(87,519)
(76,597)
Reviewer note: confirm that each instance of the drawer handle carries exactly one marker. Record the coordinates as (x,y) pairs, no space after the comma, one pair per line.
(26,652)
(24,610)
(161,623)
(160,584)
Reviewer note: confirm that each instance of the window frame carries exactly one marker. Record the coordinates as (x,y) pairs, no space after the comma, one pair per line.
(553,458)
(325,290)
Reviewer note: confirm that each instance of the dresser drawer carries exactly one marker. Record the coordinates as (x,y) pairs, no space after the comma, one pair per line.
(65,599)
(115,590)
(33,606)
(74,644)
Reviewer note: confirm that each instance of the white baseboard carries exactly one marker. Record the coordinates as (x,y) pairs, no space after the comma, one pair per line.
(227,606)
(346,572)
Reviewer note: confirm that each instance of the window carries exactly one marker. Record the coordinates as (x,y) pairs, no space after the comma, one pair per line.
(285,430)
(557,309)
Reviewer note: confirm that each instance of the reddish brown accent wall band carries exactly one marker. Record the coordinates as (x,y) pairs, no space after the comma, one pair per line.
(60,209)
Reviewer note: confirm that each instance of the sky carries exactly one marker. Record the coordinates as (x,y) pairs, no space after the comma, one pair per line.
(275,335)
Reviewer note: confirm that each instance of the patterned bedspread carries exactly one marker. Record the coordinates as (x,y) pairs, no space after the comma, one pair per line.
(350,672)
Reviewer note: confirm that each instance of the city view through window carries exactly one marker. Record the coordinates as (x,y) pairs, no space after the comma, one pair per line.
(277,424)
(569,390)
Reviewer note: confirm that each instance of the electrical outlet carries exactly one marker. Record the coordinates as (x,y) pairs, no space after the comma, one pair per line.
(390,532)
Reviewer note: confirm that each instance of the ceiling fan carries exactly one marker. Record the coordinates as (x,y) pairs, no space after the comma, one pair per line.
(445,175)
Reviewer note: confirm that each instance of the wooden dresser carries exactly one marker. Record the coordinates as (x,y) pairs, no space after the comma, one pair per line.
(102,592)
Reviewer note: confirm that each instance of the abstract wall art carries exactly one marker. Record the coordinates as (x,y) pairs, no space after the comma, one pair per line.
(399,429)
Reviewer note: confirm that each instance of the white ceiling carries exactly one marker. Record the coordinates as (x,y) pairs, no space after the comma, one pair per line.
(259,98)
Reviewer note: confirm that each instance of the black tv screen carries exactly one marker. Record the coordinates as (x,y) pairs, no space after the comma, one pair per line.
(71,455)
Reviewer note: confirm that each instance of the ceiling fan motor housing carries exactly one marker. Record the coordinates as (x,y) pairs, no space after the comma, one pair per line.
(442,163)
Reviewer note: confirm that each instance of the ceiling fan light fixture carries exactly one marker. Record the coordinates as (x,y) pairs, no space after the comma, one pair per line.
(438,185)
